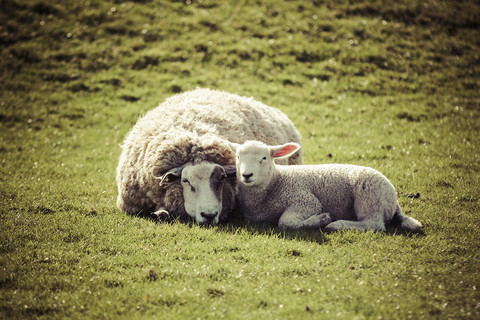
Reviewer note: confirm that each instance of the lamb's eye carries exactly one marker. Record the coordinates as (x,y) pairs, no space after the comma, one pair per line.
(185,181)
(263,159)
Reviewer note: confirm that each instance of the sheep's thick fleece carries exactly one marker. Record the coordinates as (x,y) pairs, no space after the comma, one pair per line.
(192,127)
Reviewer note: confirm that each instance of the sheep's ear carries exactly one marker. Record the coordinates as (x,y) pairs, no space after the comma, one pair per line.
(170,176)
(284,151)
(230,170)
(233,146)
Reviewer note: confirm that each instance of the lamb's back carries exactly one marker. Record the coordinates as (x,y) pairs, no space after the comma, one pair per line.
(332,184)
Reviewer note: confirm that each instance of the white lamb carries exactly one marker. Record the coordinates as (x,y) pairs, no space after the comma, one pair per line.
(333,196)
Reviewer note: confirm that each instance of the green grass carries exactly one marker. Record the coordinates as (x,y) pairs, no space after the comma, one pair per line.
(387,84)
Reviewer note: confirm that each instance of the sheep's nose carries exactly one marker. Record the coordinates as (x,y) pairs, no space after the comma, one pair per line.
(247,176)
(209,217)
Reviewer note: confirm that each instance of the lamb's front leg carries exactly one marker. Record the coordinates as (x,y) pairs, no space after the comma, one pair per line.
(294,218)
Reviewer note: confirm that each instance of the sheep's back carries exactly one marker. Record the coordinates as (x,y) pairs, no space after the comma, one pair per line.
(230,116)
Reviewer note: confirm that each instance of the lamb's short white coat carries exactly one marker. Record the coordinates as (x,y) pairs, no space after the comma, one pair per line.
(334,196)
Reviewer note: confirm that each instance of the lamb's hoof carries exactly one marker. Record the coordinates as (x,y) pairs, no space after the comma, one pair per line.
(325,219)
(330,228)
(334,226)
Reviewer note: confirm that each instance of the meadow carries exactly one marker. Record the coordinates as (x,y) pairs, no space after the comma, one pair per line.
(394,85)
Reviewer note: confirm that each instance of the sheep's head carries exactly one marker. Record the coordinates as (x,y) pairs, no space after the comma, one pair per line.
(203,186)
(255,161)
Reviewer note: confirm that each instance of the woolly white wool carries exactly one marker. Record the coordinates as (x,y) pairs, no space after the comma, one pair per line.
(192,127)
(353,197)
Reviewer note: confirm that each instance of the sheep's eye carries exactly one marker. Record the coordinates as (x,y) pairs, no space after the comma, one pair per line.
(263,159)
(191,187)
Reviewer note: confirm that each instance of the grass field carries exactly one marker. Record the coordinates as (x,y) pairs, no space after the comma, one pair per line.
(394,85)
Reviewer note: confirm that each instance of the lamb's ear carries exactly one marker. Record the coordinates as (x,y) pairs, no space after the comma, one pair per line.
(284,151)
(233,146)
(230,170)
(170,176)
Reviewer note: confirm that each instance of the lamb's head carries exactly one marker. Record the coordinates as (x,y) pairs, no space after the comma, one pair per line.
(255,161)
(203,186)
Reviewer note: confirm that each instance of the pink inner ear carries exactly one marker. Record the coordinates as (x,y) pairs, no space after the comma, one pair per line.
(288,149)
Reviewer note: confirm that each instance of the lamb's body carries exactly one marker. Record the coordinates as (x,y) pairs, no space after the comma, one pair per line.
(192,127)
(333,189)
(315,195)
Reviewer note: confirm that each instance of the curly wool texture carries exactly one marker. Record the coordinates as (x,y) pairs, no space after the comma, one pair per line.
(194,126)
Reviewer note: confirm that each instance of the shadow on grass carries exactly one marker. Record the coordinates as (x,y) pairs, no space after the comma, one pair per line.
(264,229)
(395,231)
(236,225)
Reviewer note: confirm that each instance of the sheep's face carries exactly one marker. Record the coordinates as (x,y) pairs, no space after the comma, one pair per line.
(203,191)
(255,161)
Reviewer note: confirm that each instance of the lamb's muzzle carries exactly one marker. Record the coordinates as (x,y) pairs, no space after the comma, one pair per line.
(248,178)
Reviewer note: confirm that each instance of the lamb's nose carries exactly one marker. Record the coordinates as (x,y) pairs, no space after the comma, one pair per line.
(247,176)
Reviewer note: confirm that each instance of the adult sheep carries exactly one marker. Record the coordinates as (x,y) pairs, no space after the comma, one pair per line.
(176,160)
